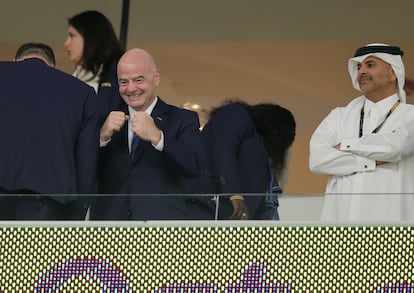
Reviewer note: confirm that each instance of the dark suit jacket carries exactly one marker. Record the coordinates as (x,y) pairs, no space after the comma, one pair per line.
(152,172)
(236,159)
(49,134)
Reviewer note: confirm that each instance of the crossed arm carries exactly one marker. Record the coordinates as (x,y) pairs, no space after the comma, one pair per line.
(352,155)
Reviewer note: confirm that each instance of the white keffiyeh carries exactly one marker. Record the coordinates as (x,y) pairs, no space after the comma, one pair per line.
(394,60)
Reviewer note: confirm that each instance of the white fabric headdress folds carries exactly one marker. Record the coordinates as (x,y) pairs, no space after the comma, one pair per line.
(390,54)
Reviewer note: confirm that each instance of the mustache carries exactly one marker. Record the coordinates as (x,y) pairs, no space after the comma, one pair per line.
(364,76)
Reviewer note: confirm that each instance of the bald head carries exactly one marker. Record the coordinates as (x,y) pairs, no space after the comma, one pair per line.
(138,78)
(138,55)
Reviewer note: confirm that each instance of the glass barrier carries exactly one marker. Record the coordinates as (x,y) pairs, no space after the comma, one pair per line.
(301,208)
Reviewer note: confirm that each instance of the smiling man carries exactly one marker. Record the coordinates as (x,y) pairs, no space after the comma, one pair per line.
(367,147)
(147,147)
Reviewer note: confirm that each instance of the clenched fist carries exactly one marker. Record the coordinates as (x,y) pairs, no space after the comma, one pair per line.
(112,124)
(143,125)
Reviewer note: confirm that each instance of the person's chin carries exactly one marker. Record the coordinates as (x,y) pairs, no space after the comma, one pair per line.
(135,104)
(364,87)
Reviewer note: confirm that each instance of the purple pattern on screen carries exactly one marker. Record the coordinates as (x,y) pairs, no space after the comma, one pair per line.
(400,288)
(252,280)
(98,270)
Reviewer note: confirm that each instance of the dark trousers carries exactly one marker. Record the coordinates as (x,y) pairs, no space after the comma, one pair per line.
(110,208)
(155,207)
(19,205)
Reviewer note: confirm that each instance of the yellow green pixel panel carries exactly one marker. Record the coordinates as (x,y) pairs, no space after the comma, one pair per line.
(206,259)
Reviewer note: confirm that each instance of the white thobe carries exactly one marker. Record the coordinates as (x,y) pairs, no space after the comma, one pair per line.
(357,188)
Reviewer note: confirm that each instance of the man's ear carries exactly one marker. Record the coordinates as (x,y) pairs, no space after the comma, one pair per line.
(393,76)
(157,77)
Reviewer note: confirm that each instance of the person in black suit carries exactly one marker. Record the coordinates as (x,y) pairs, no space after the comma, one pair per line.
(148,147)
(50,141)
(247,152)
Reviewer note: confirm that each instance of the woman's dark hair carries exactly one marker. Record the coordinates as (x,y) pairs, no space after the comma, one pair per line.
(101,45)
(275,125)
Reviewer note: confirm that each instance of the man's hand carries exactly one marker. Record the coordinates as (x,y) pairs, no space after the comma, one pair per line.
(143,125)
(240,210)
(112,124)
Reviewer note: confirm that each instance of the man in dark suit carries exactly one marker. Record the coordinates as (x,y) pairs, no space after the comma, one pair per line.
(50,141)
(147,147)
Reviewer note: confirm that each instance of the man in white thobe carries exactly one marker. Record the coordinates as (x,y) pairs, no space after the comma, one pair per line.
(367,147)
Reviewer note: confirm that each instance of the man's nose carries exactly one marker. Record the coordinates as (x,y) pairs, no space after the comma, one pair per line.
(130,87)
(362,69)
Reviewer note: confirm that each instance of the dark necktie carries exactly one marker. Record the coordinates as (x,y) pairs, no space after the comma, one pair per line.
(134,146)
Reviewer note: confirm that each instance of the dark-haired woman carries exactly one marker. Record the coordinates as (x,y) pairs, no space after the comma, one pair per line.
(94,48)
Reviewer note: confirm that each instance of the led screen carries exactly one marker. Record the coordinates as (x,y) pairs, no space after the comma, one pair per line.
(176,258)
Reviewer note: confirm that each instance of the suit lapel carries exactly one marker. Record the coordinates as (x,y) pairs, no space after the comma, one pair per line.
(159,114)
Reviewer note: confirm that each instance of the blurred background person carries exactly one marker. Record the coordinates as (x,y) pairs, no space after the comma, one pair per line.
(247,151)
(94,48)
(50,138)
(36,50)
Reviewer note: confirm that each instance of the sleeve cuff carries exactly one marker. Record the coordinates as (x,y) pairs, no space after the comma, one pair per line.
(104,143)
(364,164)
(160,145)
(236,197)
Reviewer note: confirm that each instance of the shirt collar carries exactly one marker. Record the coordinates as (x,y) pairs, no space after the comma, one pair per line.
(383,106)
(148,110)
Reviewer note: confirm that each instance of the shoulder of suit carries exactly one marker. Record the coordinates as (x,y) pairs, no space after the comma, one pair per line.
(233,109)
(170,107)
